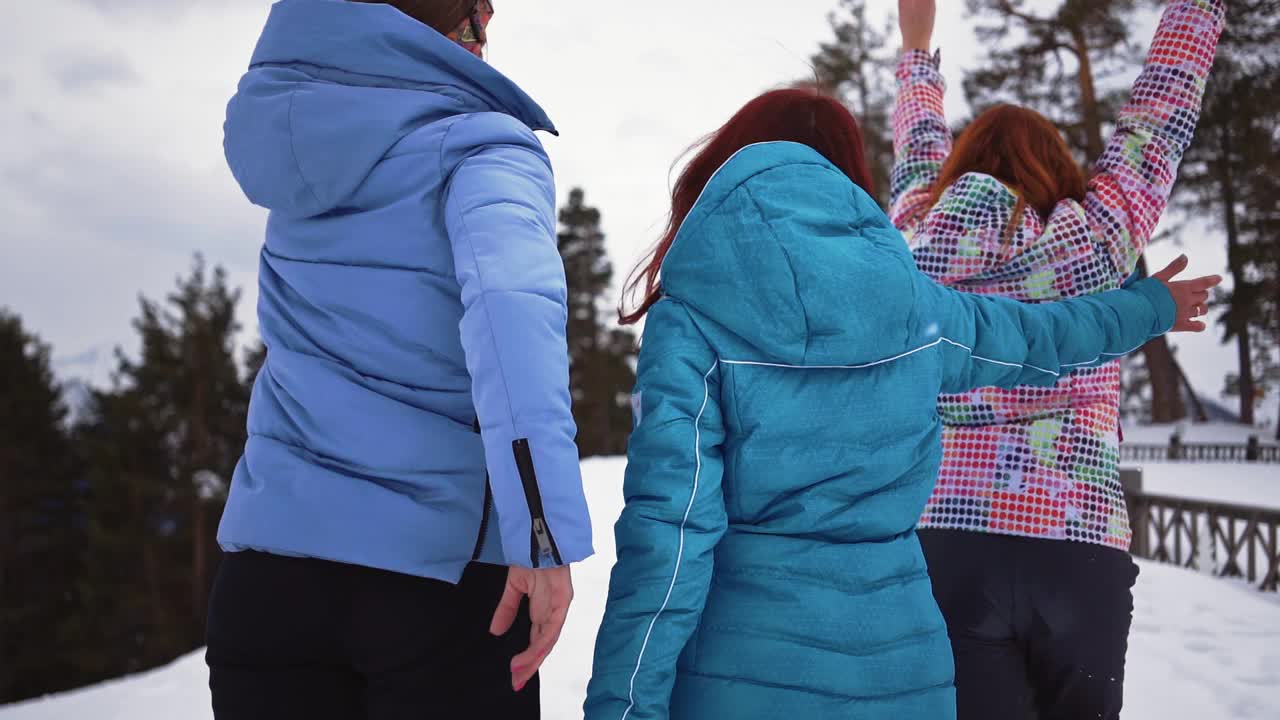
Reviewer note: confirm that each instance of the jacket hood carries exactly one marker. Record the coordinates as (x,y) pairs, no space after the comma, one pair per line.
(795,261)
(334,85)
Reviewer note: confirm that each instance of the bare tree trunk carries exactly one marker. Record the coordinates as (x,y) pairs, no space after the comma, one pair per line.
(150,565)
(1162,368)
(199,551)
(7,546)
(199,561)
(1235,260)
(1089,113)
(1197,407)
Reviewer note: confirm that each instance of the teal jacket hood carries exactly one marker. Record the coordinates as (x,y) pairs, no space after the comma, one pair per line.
(333,86)
(773,250)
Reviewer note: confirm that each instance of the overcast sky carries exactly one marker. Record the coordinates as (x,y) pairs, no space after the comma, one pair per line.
(112,174)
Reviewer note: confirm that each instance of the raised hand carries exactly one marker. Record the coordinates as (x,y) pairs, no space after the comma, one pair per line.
(916,18)
(550,592)
(1191,296)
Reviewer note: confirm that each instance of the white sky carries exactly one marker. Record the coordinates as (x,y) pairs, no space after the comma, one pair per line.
(111,167)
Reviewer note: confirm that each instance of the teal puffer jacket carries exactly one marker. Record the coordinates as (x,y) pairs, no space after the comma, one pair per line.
(787,440)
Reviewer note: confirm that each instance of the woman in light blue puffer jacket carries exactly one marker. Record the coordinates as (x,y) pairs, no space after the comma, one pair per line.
(410,434)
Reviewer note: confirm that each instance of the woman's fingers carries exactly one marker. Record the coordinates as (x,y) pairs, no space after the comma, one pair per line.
(1173,269)
(1190,296)
(1188,325)
(1207,283)
(508,608)
(543,639)
(550,594)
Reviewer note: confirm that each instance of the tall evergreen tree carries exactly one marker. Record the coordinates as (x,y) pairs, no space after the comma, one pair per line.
(254,357)
(1052,61)
(41,527)
(601,373)
(1231,173)
(857,65)
(160,446)
(131,587)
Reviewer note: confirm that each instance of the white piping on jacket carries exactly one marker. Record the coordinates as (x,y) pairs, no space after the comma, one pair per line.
(922,348)
(697,476)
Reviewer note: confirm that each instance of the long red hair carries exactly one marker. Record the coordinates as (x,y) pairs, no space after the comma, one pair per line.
(804,115)
(1022,149)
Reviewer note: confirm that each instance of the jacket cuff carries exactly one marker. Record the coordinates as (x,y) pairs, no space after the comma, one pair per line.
(920,65)
(544,518)
(1157,293)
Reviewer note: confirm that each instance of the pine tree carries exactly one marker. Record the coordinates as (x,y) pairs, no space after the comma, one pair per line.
(1231,173)
(857,66)
(601,373)
(254,358)
(131,586)
(160,446)
(1052,62)
(41,532)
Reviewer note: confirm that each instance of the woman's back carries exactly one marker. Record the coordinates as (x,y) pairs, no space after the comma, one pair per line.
(1045,461)
(409,251)
(787,439)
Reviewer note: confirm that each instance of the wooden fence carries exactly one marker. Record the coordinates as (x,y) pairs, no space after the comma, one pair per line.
(1218,538)
(1177,450)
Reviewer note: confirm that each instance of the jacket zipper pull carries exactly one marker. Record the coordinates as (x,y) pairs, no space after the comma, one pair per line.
(546,555)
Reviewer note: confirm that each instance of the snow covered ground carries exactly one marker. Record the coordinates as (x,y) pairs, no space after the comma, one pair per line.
(1240,483)
(1198,433)
(1255,484)
(1201,648)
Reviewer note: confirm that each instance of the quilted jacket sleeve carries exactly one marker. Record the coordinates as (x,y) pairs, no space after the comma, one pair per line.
(921,137)
(992,341)
(673,518)
(500,215)
(1134,176)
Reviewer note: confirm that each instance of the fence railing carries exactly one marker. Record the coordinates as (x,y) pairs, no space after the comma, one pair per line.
(1177,450)
(1216,538)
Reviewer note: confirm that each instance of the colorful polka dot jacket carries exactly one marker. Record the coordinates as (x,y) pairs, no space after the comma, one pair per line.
(1044,462)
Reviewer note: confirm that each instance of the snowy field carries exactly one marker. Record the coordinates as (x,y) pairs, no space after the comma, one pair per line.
(1255,484)
(1201,649)
(1222,433)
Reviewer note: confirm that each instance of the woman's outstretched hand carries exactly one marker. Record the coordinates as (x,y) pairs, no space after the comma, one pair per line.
(1191,296)
(550,592)
(916,17)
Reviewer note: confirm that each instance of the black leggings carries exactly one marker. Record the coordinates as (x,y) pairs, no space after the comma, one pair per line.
(1039,628)
(314,640)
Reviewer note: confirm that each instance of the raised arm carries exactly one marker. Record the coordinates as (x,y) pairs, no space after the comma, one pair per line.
(500,216)
(1133,179)
(921,137)
(673,518)
(992,341)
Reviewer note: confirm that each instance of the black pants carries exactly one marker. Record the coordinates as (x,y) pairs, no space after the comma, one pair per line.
(313,640)
(1039,627)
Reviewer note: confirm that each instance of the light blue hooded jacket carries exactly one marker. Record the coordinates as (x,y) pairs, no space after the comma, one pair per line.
(788,438)
(411,293)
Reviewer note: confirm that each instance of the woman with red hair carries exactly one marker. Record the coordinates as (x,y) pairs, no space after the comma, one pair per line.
(1026,531)
(787,439)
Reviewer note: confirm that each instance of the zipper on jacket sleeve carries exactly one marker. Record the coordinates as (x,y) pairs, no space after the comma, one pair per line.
(542,546)
(484,519)
(484,511)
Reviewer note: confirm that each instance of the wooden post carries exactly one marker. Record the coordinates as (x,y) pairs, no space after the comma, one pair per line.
(1175,447)
(1131,482)
(1273,562)
(1253,449)
(1251,532)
